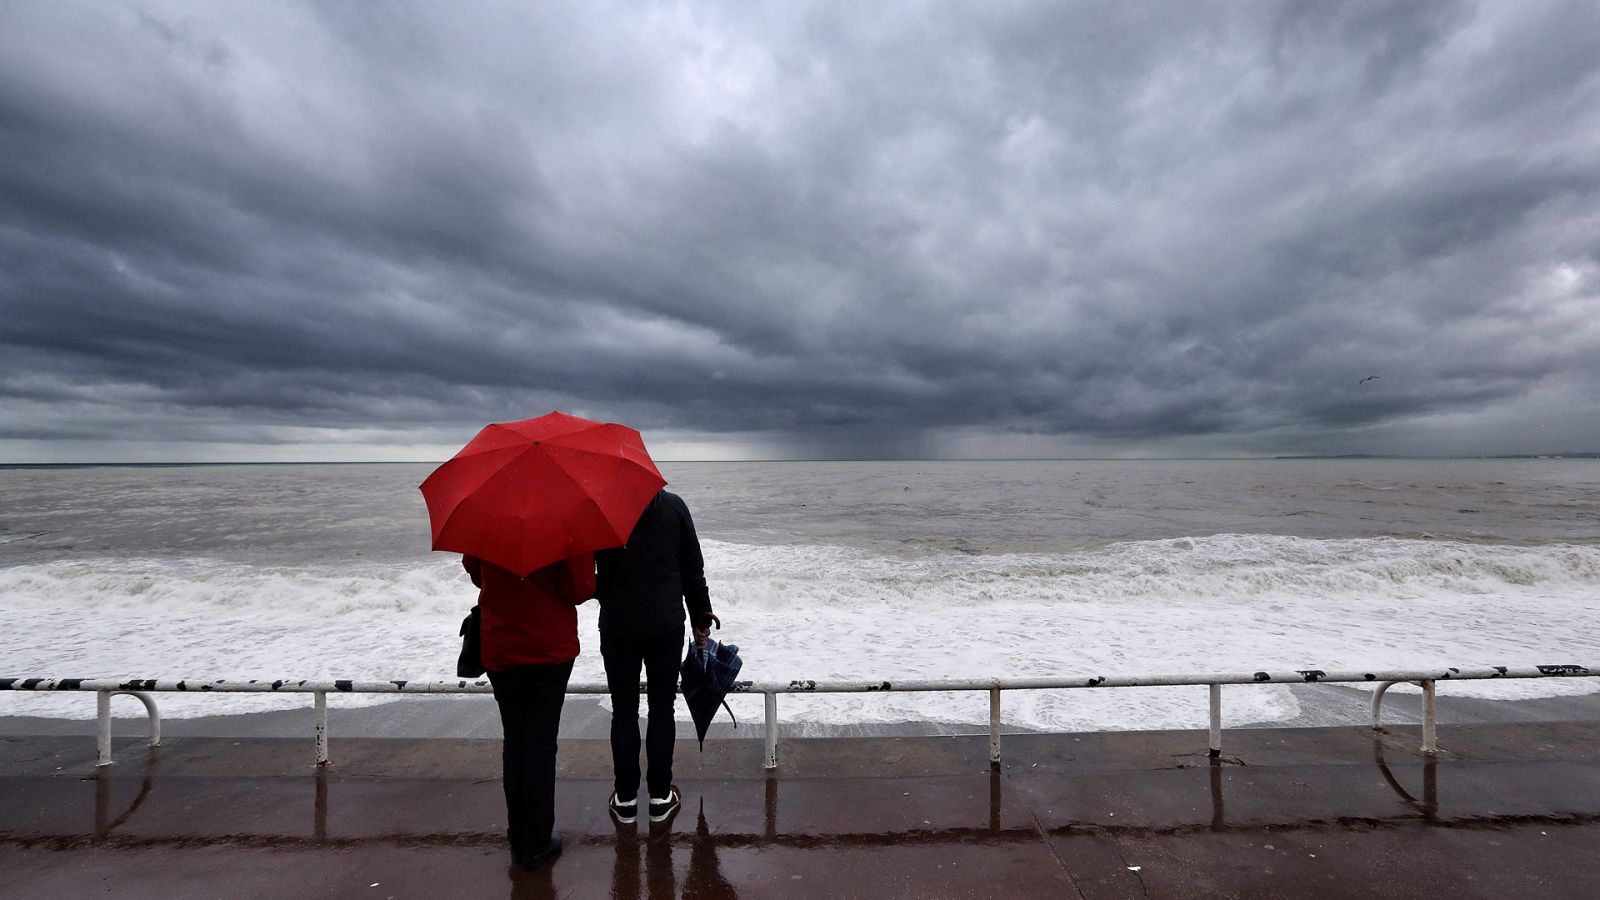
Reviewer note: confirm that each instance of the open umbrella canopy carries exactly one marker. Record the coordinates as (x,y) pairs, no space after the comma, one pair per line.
(525,494)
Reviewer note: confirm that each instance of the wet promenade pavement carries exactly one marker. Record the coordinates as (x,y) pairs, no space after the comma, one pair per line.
(1504,811)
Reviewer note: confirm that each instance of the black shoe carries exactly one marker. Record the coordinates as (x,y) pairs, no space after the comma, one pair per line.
(626,813)
(542,858)
(661,810)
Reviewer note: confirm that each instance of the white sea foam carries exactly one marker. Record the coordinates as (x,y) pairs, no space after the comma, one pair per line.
(1221,603)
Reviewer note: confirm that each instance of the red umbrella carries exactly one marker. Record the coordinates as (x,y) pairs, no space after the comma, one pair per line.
(525,494)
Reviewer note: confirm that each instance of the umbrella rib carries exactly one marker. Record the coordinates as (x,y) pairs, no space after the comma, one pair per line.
(476,483)
(556,471)
(613,484)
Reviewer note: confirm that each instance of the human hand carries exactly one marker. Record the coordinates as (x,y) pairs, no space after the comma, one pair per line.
(701,634)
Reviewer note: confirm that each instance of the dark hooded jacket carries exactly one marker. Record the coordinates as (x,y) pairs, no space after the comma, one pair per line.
(645,585)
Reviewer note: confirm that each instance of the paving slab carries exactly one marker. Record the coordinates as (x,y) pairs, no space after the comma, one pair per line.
(1504,810)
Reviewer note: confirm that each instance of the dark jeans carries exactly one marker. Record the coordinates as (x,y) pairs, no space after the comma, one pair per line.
(530,699)
(660,656)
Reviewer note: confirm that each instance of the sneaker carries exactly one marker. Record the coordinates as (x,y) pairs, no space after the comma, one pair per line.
(623,811)
(660,810)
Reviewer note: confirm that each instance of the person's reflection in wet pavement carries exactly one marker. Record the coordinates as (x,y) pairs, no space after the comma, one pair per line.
(702,881)
(536,885)
(660,880)
(625,865)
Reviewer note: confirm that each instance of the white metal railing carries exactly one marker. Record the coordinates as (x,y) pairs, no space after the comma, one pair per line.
(1428,679)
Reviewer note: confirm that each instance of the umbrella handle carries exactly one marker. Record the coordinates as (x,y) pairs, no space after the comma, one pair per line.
(701,655)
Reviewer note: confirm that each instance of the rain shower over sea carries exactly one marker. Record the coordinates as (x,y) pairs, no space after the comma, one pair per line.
(844,570)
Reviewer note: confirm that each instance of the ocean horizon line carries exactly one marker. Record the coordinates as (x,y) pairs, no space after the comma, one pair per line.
(168,464)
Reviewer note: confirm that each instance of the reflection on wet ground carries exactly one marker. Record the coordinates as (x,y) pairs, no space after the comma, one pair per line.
(1428,806)
(1340,810)
(103,822)
(657,878)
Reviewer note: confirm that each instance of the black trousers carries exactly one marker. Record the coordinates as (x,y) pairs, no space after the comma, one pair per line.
(660,656)
(530,699)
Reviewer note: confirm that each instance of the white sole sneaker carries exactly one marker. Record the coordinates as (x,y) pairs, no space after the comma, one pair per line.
(660,810)
(626,813)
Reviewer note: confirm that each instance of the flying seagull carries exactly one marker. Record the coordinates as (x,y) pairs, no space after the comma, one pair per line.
(1366,379)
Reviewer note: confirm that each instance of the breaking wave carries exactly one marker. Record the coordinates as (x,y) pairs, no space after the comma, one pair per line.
(1190,605)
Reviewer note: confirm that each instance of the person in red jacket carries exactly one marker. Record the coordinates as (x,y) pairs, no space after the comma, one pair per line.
(529,636)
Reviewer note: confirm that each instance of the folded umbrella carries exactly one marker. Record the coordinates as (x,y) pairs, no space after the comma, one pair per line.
(707,675)
(526,494)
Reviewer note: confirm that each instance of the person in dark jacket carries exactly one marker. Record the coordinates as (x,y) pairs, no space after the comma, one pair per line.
(529,636)
(644,589)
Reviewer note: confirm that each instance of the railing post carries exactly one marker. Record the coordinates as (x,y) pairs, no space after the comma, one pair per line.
(1216,720)
(1430,736)
(994,728)
(1377,704)
(102,705)
(151,713)
(322,728)
(772,731)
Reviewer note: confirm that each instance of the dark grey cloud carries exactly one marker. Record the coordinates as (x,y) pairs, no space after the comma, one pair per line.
(897,229)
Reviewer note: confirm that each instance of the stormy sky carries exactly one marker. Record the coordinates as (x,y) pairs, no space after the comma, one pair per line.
(361,230)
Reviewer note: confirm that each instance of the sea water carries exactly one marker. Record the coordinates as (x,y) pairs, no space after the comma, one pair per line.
(844,570)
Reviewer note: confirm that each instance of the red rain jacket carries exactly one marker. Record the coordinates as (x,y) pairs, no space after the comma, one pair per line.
(532,620)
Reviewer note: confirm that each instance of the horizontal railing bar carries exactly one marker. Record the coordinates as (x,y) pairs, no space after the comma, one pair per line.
(462,686)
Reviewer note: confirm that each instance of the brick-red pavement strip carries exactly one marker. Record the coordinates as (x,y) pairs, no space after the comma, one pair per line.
(1504,811)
